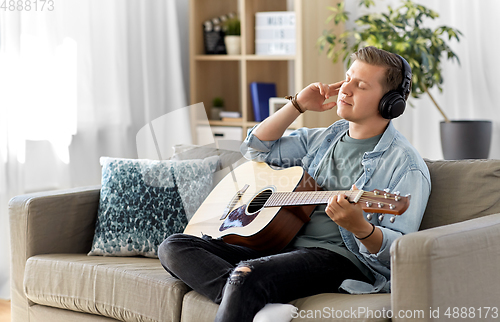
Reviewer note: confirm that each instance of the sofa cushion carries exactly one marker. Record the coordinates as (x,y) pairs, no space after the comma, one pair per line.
(46,313)
(123,288)
(321,307)
(462,190)
(142,202)
(343,307)
(196,307)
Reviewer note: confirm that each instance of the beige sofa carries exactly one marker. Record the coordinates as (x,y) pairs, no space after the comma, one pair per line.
(453,265)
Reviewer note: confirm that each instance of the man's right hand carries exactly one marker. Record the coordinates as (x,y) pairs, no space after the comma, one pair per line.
(312,97)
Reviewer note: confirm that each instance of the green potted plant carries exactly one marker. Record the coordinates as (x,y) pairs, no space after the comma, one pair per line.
(402,31)
(232,38)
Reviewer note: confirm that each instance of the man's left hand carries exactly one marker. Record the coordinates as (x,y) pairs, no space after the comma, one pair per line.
(348,215)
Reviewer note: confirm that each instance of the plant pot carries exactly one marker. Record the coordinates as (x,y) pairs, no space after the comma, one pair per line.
(233,45)
(466,139)
(215,112)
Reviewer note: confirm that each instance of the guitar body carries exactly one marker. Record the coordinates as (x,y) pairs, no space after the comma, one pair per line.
(267,229)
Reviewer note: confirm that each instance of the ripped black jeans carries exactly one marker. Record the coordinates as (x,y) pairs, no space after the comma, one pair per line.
(243,280)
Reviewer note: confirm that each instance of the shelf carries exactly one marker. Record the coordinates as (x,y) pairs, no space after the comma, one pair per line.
(218,57)
(244,57)
(221,123)
(225,123)
(229,76)
(270,57)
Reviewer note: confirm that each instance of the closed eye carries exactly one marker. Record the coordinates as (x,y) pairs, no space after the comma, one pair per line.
(359,83)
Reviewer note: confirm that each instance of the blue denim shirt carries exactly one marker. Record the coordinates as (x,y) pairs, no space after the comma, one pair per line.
(394,163)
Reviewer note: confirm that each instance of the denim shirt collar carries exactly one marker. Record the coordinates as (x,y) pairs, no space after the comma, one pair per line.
(341,127)
(338,129)
(385,141)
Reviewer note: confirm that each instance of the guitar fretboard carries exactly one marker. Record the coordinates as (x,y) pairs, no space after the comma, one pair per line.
(280,199)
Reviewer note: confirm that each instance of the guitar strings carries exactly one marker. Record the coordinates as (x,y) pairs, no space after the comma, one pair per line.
(304,196)
(260,201)
(394,211)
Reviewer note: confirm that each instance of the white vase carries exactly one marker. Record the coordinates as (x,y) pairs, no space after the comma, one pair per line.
(233,45)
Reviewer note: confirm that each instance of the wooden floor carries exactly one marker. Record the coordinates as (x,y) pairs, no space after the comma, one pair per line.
(4,311)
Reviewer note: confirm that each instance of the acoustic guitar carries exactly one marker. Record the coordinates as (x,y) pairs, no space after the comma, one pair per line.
(263,209)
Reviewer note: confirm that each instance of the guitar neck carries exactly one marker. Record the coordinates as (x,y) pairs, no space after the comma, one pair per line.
(300,198)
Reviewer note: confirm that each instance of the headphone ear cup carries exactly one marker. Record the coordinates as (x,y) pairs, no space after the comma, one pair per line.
(392,105)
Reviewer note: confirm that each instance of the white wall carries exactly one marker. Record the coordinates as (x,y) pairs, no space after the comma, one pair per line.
(43,170)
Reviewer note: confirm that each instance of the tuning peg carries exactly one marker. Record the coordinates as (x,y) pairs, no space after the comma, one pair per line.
(387,190)
(393,218)
(397,193)
(381,217)
(392,207)
(369,204)
(380,205)
(376,192)
(369,216)
(408,196)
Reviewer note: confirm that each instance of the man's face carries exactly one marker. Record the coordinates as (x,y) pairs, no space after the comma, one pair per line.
(361,92)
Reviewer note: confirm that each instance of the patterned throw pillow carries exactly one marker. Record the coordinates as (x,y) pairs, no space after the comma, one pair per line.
(142,202)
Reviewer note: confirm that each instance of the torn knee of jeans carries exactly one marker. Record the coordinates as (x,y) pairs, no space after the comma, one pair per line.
(239,274)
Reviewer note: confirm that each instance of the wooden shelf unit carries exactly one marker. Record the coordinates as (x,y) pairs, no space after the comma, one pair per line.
(229,76)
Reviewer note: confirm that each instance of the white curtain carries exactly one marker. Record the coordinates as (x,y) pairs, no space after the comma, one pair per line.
(77,83)
(469,89)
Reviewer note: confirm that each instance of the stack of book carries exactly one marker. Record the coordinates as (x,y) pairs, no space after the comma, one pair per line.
(275,33)
(230,116)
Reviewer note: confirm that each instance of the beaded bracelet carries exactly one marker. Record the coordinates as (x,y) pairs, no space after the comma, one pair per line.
(294,102)
(368,235)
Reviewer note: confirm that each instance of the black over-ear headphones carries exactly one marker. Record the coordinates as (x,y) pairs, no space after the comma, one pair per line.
(393,103)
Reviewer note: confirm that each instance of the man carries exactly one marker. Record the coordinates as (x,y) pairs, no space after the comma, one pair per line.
(339,249)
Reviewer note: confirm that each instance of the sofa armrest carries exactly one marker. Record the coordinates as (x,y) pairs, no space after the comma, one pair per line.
(445,267)
(48,222)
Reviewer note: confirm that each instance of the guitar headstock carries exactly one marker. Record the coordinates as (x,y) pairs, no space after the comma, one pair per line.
(384,202)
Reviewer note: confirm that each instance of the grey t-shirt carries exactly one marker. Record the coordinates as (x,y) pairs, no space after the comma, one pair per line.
(339,169)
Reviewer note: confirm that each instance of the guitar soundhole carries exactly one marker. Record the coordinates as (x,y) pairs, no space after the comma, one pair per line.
(258,201)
